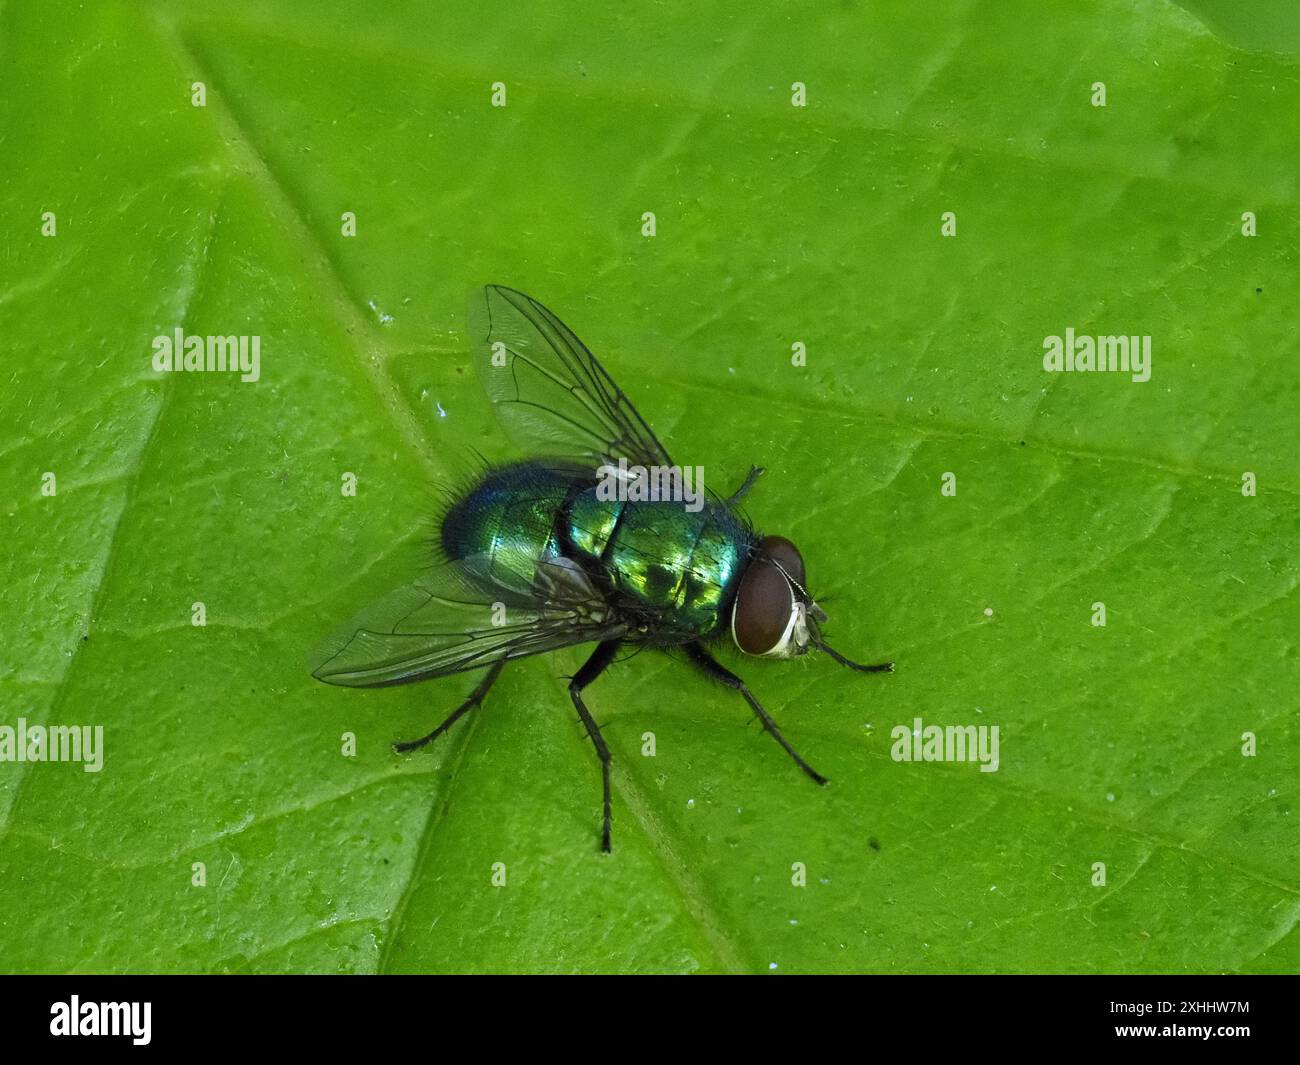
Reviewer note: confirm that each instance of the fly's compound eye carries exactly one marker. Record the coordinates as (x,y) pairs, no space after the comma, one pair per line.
(769,615)
(786,555)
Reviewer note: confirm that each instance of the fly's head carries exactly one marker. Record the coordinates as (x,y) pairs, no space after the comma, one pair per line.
(774,616)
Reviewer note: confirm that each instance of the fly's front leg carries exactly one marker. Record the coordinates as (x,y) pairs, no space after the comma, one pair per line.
(599,661)
(475,699)
(719,672)
(879,667)
(755,472)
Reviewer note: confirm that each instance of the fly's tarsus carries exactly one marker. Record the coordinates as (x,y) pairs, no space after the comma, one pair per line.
(719,672)
(755,472)
(475,699)
(879,667)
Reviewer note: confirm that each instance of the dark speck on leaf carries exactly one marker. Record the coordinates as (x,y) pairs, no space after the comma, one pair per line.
(873,843)
(1259,290)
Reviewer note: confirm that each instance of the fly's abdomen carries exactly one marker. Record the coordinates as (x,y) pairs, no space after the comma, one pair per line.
(511,518)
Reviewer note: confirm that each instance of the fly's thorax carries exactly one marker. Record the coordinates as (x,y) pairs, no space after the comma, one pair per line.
(770,614)
(592,522)
(671,563)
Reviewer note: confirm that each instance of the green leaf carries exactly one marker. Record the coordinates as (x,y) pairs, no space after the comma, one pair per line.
(775,224)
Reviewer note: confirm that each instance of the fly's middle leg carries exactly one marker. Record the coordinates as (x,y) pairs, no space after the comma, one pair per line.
(599,661)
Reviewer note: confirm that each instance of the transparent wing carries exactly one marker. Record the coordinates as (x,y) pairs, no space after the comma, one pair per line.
(551,395)
(457,618)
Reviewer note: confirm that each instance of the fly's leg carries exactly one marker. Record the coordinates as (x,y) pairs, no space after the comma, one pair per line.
(879,667)
(755,472)
(719,672)
(599,661)
(476,697)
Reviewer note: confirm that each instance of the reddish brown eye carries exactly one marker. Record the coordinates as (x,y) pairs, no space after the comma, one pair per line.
(765,600)
(787,555)
(763,604)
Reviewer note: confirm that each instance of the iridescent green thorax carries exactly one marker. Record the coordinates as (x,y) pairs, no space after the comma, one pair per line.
(665,558)
(660,560)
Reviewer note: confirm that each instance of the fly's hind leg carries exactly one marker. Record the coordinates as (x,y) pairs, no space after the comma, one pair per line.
(599,661)
(719,672)
(475,699)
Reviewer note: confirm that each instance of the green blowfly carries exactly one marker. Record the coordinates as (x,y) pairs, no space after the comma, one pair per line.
(568,547)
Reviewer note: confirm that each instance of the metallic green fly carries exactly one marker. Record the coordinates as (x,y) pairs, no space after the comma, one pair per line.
(578,547)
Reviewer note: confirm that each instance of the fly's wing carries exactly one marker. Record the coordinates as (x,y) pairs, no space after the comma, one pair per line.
(551,395)
(444,623)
